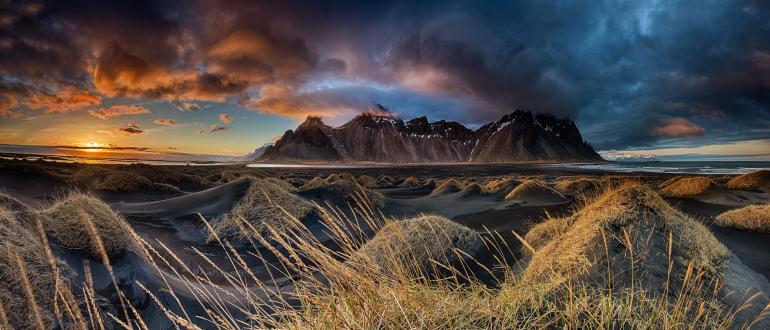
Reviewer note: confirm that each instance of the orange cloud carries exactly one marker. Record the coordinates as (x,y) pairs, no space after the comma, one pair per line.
(165,122)
(119,110)
(678,127)
(119,73)
(68,98)
(225,118)
(282,100)
(258,56)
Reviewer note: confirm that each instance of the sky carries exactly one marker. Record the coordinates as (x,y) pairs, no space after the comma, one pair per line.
(688,79)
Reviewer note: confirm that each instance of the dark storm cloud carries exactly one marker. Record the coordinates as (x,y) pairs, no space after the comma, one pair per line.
(633,73)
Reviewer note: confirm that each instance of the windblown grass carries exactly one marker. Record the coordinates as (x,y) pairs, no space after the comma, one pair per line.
(752,217)
(33,280)
(626,260)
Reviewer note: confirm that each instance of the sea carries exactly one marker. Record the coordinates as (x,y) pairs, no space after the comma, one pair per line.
(682,167)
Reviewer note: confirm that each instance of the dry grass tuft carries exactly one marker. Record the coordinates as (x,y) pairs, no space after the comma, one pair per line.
(447,186)
(282,183)
(594,242)
(67,221)
(367,181)
(266,204)
(29,285)
(752,217)
(472,190)
(419,242)
(576,185)
(534,192)
(130,182)
(501,186)
(754,181)
(386,181)
(410,181)
(688,186)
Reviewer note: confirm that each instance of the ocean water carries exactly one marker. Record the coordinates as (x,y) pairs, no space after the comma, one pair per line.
(683,167)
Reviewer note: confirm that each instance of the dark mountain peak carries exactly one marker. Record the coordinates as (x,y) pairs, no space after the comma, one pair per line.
(313,121)
(564,128)
(376,116)
(417,122)
(380,135)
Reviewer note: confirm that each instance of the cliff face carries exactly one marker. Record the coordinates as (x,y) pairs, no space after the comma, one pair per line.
(520,136)
(380,136)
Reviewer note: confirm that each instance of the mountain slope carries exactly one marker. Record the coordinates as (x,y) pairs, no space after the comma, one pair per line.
(381,136)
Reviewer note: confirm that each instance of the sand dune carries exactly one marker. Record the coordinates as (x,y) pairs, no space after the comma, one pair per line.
(422,239)
(752,217)
(632,213)
(74,221)
(535,193)
(340,193)
(754,181)
(266,206)
(699,188)
(448,186)
(210,202)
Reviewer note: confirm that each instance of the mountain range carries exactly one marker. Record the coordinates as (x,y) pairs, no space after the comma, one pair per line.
(379,135)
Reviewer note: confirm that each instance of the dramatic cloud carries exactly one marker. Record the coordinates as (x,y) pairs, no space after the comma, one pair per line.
(119,111)
(632,73)
(68,98)
(165,122)
(225,118)
(678,127)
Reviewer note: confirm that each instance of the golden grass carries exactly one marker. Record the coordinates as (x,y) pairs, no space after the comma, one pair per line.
(688,186)
(281,183)
(576,185)
(68,219)
(631,214)
(418,242)
(367,181)
(447,186)
(129,182)
(532,189)
(501,185)
(383,281)
(341,188)
(410,181)
(386,181)
(33,280)
(757,180)
(752,217)
(265,204)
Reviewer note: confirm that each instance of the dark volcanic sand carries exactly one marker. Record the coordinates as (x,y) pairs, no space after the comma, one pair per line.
(173,220)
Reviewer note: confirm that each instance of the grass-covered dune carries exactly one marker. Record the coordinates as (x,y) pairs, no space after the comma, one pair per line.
(757,180)
(752,217)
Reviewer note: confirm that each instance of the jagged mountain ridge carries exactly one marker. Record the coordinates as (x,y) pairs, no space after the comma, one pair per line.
(381,136)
